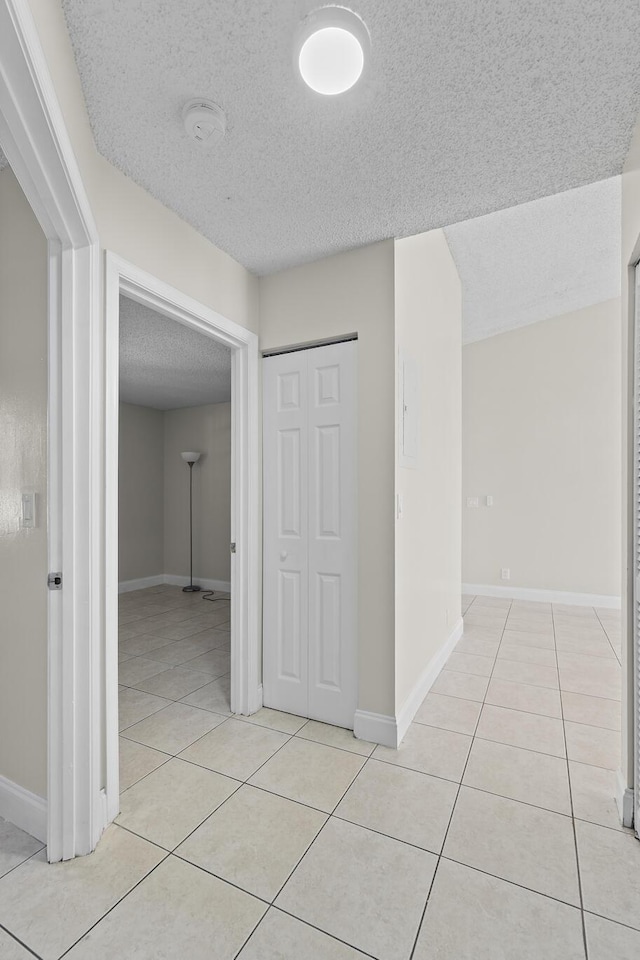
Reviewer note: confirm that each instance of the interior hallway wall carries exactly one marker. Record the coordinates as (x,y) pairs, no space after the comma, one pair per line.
(207,429)
(353,293)
(541,435)
(428,306)
(140,492)
(23,467)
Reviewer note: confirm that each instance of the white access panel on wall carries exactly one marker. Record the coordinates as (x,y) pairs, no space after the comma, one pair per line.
(310,590)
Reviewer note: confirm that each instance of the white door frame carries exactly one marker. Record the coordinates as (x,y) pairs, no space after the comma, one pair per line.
(246,693)
(629,777)
(34,138)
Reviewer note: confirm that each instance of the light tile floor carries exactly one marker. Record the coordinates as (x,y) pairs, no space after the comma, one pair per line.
(490,834)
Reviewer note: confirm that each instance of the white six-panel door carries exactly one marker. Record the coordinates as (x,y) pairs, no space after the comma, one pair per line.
(310,609)
(286,535)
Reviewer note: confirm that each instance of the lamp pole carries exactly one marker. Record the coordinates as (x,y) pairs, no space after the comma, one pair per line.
(190,458)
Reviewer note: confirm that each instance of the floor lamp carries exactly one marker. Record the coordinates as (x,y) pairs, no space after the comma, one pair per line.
(190,457)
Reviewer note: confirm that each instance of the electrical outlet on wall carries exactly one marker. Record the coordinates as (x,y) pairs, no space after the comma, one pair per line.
(505,573)
(473,502)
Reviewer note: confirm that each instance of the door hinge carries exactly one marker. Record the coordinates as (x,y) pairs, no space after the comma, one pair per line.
(54,581)
(233,547)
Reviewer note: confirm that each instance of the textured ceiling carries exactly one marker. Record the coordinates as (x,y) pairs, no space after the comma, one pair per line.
(539,259)
(465,107)
(166,365)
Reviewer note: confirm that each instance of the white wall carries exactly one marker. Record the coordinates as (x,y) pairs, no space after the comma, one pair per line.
(353,293)
(154,491)
(427,537)
(541,415)
(23,467)
(207,429)
(140,492)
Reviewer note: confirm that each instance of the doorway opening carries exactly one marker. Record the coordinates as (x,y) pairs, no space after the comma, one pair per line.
(174,504)
(180,383)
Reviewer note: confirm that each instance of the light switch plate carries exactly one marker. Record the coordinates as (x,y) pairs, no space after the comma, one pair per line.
(28,516)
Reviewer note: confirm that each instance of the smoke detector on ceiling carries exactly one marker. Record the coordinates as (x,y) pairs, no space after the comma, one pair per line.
(204,121)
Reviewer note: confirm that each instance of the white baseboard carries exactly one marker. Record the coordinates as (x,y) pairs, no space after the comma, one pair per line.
(624,800)
(376,728)
(426,680)
(544,596)
(389,731)
(24,809)
(176,581)
(126,586)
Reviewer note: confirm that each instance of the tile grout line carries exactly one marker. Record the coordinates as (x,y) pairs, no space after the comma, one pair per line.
(168,665)
(206,677)
(607,636)
(30,857)
(573,822)
(123,730)
(452,696)
(118,901)
(14,937)
(458,791)
(331,936)
(218,625)
(131,686)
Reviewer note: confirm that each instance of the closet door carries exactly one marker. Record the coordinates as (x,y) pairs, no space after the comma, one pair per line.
(285,524)
(309,459)
(332,533)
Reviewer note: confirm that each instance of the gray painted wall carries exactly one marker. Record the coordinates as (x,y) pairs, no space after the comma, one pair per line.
(23,467)
(141,492)
(154,491)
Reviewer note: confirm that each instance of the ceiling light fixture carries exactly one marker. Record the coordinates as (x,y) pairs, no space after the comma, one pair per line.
(331,47)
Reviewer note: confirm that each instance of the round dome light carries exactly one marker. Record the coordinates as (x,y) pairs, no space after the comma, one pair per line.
(332,45)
